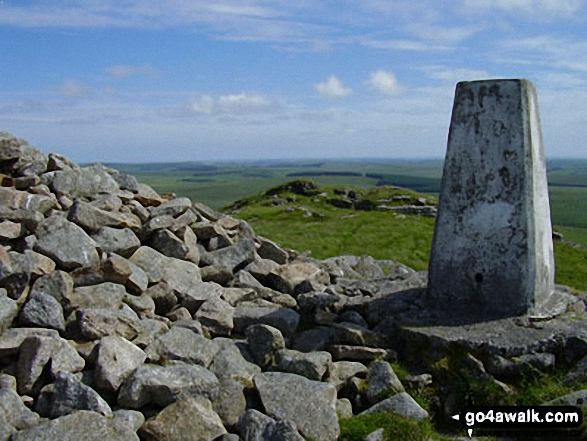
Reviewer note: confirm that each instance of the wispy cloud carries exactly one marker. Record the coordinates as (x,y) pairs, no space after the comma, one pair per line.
(333,88)
(231,104)
(75,89)
(540,9)
(402,45)
(384,82)
(127,70)
(548,51)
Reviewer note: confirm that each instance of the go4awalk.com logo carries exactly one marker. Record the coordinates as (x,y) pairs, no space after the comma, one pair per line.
(520,418)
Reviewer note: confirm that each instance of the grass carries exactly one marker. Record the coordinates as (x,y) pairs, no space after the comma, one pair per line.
(568,206)
(573,234)
(395,427)
(336,231)
(570,264)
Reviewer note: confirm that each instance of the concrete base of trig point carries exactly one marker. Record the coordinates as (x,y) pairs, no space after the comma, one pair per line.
(492,252)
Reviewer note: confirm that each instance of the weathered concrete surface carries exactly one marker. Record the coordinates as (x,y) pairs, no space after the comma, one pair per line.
(492,252)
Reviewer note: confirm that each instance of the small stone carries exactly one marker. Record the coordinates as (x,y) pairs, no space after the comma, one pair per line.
(311,405)
(66,243)
(344,408)
(284,319)
(163,296)
(311,340)
(270,250)
(179,314)
(297,278)
(402,404)
(42,310)
(14,410)
(235,256)
(68,395)
(116,359)
(252,425)
(174,207)
(312,365)
(11,230)
(95,323)
(342,371)
(217,316)
(8,311)
(86,425)
(381,382)
(355,353)
(121,241)
(163,385)
(189,418)
(181,344)
(102,296)
(36,352)
(229,363)
(230,404)
(264,342)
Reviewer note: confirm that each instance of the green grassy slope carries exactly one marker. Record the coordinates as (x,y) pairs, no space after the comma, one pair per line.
(333,231)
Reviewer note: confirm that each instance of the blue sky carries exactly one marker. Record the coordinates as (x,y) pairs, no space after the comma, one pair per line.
(189,80)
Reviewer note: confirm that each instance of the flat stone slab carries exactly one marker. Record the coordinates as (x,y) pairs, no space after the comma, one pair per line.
(505,337)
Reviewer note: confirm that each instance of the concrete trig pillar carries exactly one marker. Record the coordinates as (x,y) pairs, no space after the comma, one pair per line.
(492,252)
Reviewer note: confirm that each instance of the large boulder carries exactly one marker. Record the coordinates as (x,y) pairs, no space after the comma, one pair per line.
(311,405)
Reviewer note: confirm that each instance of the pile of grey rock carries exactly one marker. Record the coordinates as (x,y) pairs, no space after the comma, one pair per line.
(125,314)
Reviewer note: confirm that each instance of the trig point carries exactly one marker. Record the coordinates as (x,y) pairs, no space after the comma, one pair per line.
(492,252)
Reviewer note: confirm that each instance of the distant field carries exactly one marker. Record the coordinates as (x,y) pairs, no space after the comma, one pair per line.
(220,184)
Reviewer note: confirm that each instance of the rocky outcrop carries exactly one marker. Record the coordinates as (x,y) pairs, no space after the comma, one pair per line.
(124,314)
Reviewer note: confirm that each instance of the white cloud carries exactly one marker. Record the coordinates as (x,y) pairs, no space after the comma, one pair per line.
(243,103)
(74,88)
(225,105)
(384,82)
(542,9)
(333,88)
(127,70)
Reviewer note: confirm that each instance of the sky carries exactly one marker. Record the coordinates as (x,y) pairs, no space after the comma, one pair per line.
(204,80)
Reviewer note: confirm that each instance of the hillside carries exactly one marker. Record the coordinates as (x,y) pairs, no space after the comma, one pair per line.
(382,222)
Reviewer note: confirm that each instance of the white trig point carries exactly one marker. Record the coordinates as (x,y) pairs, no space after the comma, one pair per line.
(492,252)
